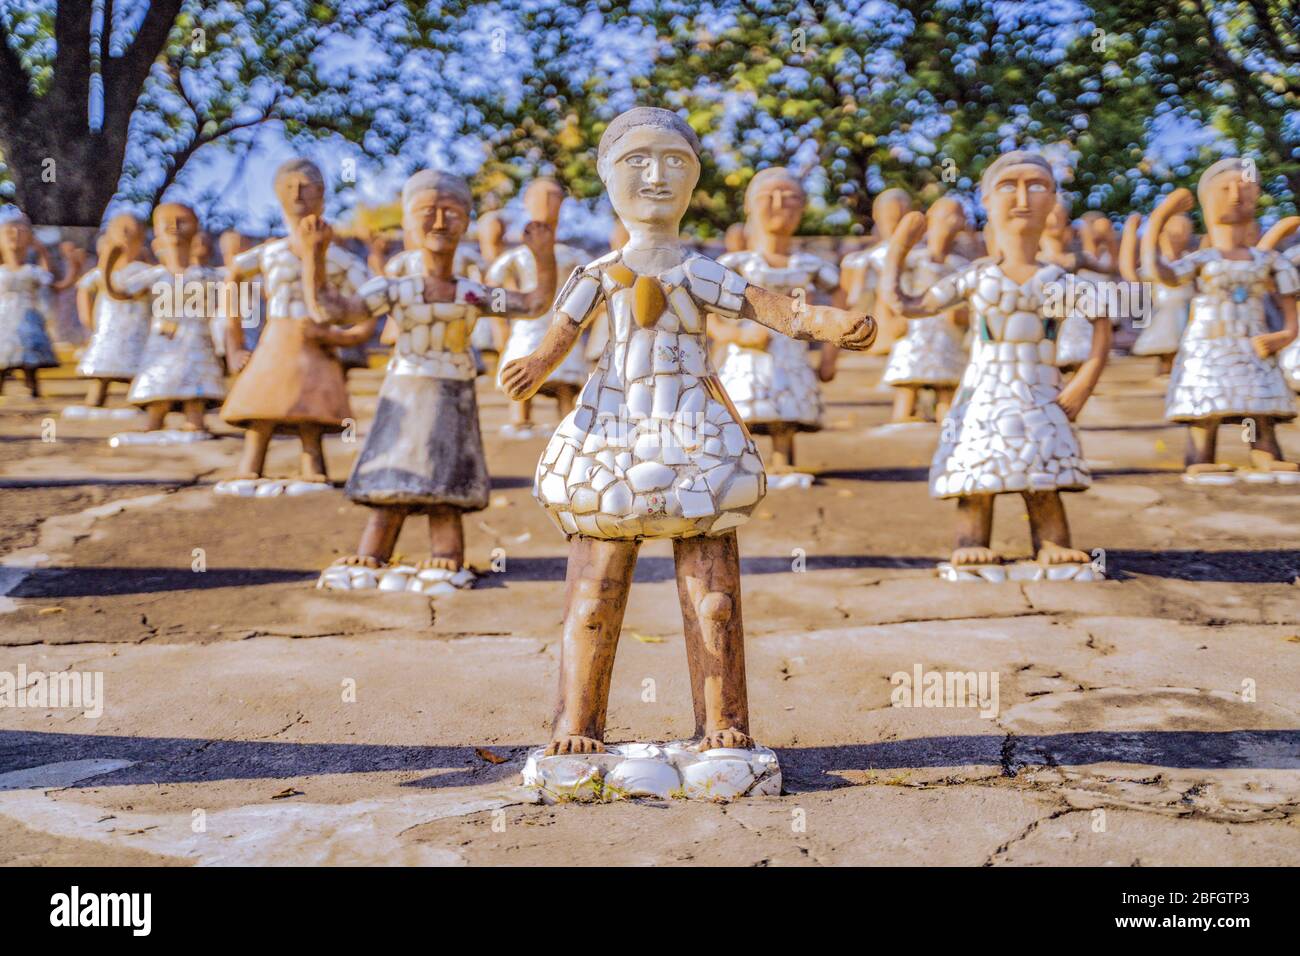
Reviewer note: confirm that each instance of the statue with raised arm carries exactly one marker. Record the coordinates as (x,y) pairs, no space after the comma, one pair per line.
(860,271)
(293,381)
(179,364)
(767,375)
(424,452)
(655,448)
(1226,370)
(1011,428)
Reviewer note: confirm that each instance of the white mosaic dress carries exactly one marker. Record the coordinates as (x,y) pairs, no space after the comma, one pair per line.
(24,337)
(1217,373)
(775,385)
(930,353)
(517,269)
(121,329)
(1005,432)
(424,448)
(1169,309)
(654,447)
(1289,358)
(181,366)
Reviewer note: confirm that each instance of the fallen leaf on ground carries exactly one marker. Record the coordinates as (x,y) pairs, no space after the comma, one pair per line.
(489,756)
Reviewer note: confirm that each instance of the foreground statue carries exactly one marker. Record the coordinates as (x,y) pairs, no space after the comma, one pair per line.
(1226,369)
(1010,430)
(654,448)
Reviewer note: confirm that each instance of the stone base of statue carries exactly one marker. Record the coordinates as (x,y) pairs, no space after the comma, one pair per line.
(1019,571)
(396,577)
(268,487)
(1250,476)
(164,436)
(654,771)
(791,479)
(95,413)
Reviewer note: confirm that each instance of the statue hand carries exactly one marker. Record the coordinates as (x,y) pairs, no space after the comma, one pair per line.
(314,233)
(522,378)
(1178,201)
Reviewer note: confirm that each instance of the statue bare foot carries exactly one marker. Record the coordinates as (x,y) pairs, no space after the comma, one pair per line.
(314,477)
(360,561)
(1051,553)
(433,563)
(574,744)
(975,556)
(731,737)
(1210,468)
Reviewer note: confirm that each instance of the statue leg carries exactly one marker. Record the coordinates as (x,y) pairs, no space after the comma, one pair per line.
(708,588)
(566,396)
(975,531)
(521,413)
(904,404)
(379,539)
(1050,531)
(1202,448)
(782,446)
(157,415)
(942,401)
(194,409)
(257,439)
(446,539)
(311,462)
(596,588)
(97,393)
(33,384)
(1266,450)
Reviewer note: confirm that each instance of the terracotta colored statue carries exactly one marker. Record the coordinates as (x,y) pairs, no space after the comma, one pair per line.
(24,293)
(1226,369)
(655,448)
(1169,307)
(1289,358)
(491,334)
(178,365)
(767,375)
(860,271)
(424,453)
(930,355)
(119,328)
(1010,430)
(735,239)
(515,270)
(292,381)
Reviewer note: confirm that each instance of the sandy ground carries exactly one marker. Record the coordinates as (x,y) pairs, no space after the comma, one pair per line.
(1151,719)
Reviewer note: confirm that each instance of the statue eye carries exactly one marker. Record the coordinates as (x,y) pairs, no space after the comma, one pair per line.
(676,162)
(1006,187)
(637,160)
(1037,188)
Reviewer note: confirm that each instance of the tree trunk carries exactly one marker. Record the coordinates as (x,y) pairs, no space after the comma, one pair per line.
(64,174)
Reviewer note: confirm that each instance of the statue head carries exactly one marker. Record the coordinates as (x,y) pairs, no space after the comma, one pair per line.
(435,210)
(126,231)
(1018,191)
(300,187)
(775,201)
(649,161)
(945,220)
(1228,192)
(542,201)
(174,226)
(16,237)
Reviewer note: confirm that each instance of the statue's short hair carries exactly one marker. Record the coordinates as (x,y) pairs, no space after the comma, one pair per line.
(637,117)
(1017,157)
(299,165)
(1232,164)
(765,177)
(427,179)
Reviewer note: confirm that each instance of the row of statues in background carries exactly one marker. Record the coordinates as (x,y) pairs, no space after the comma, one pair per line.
(665,363)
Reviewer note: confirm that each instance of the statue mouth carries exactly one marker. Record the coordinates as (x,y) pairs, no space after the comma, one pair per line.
(655,194)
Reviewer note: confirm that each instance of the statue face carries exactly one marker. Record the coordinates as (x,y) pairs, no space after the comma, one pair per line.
(1230,199)
(437,218)
(778,207)
(174,226)
(202,247)
(300,195)
(1020,200)
(945,218)
(888,210)
(15,237)
(652,174)
(542,201)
